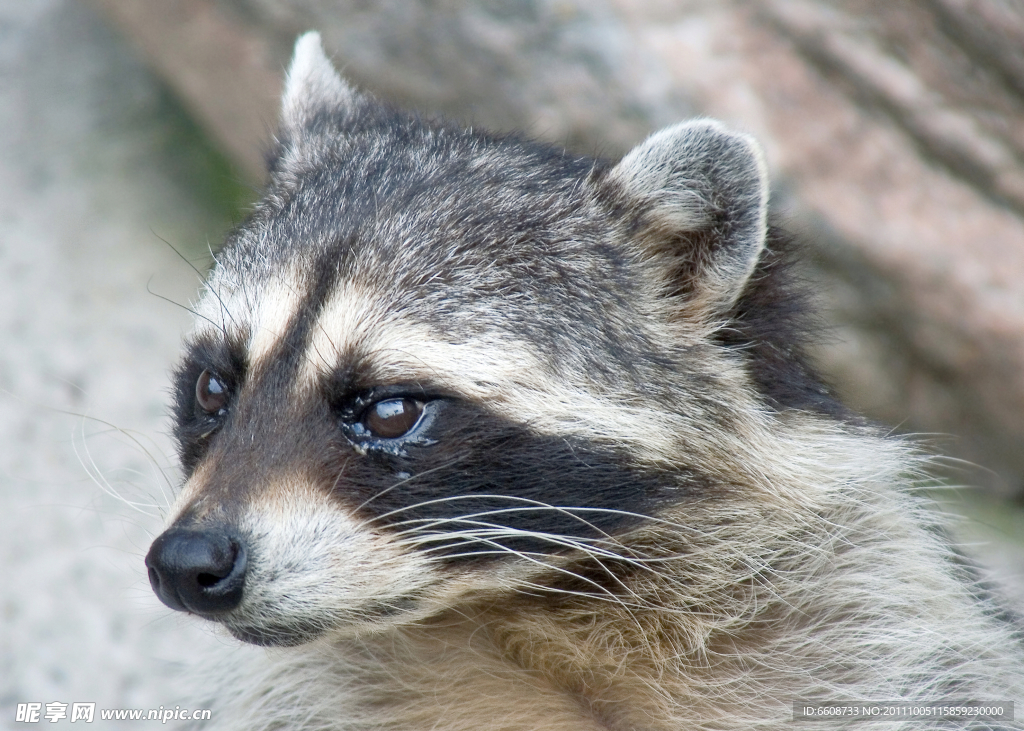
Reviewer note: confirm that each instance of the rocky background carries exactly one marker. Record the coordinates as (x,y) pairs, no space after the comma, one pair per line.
(894,131)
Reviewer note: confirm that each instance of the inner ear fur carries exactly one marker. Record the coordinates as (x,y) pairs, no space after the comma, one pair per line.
(312,86)
(699,194)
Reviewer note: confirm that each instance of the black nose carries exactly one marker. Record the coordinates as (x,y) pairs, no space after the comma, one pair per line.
(197,570)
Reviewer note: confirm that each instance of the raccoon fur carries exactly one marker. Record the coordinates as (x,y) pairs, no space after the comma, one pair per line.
(478,434)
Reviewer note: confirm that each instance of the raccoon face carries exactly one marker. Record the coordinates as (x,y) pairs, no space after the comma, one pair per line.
(437,364)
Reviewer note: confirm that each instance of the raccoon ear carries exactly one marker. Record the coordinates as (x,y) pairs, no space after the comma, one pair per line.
(702,193)
(312,85)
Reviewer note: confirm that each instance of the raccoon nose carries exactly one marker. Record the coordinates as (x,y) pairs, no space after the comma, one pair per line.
(200,571)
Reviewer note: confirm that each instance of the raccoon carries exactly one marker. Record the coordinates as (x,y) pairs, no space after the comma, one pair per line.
(478,434)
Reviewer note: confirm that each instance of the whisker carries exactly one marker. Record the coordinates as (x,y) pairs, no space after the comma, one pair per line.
(95,473)
(398,484)
(491,532)
(566,510)
(536,559)
(468,519)
(202,276)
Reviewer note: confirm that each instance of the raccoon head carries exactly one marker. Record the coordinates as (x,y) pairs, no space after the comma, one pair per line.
(438,364)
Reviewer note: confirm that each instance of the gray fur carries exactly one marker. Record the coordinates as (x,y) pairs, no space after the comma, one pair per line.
(698,176)
(627,504)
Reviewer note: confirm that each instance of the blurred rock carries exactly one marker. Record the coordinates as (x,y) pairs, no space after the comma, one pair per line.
(894,130)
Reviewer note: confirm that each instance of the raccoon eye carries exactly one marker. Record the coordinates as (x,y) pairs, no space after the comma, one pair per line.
(211,394)
(392,417)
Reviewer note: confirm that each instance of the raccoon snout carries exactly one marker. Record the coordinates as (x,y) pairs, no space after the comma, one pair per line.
(198,570)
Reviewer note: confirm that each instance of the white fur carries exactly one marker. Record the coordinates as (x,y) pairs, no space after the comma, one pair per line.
(311,84)
(310,562)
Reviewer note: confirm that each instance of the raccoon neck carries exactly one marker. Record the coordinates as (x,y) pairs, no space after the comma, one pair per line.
(484,669)
(584,666)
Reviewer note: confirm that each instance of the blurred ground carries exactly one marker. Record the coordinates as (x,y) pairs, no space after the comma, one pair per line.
(98,166)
